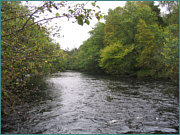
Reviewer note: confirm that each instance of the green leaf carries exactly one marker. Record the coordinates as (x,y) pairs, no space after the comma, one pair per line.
(80,21)
(98,7)
(98,18)
(93,3)
(57,14)
(5,93)
(101,16)
(42,9)
(71,11)
(49,10)
(55,6)
(87,21)
(89,10)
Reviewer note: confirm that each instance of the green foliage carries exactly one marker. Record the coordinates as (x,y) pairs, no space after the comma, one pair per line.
(136,41)
(113,58)
(156,10)
(144,44)
(140,24)
(171,51)
(121,23)
(127,26)
(170,5)
(26,46)
(86,58)
(172,17)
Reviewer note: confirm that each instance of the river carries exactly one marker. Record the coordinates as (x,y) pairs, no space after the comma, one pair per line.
(77,103)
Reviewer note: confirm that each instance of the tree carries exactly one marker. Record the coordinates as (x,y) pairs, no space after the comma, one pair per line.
(144,44)
(115,60)
(26,46)
(172,17)
(88,55)
(137,41)
(171,52)
(157,12)
(123,26)
(170,5)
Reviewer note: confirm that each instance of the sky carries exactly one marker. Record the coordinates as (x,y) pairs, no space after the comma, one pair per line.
(72,34)
(75,34)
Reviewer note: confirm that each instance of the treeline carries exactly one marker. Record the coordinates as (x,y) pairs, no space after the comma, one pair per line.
(136,40)
(27,46)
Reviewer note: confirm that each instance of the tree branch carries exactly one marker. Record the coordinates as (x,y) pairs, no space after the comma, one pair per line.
(14,32)
(24,26)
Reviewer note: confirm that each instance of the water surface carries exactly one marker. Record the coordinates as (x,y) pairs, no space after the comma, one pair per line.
(79,103)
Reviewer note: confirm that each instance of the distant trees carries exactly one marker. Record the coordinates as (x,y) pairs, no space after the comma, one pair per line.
(137,41)
(87,57)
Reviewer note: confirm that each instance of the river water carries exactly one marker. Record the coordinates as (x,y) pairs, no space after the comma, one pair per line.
(78,103)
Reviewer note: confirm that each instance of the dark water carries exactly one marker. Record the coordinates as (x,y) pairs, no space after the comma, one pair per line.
(77,103)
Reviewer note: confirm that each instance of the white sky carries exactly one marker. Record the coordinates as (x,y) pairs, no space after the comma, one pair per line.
(72,34)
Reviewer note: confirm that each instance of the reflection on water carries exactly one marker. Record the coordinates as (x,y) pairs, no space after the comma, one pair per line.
(78,103)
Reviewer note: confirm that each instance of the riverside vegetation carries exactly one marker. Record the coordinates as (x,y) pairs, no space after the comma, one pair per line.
(27,46)
(135,40)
